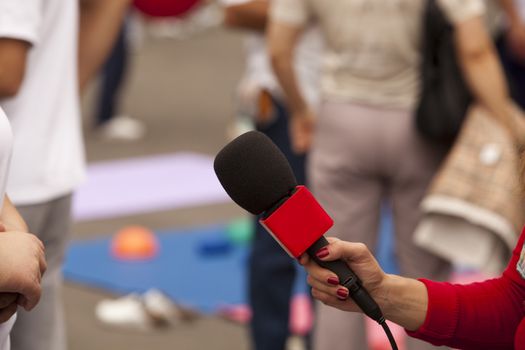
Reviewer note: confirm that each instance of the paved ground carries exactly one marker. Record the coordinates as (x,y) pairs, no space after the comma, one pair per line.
(183,91)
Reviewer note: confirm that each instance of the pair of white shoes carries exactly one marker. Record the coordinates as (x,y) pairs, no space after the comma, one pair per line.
(143,312)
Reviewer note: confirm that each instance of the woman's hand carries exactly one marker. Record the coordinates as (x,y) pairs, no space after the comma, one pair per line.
(301,131)
(325,284)
(402,300)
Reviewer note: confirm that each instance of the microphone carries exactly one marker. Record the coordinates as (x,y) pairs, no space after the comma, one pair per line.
(257,176)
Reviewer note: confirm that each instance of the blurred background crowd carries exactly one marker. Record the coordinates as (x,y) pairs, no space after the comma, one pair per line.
(404,117)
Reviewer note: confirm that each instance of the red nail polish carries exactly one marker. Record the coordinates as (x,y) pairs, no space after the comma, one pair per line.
(322,253)
(334,281)
(342,293)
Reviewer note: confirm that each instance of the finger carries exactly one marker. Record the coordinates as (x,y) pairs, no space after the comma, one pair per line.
(330,300)
(324,251)
(2,227)
(304,259)
(41,245)
(298,145)
(22,301)
(42,263)
(321,274)
(7,299)
(305,141)
(332,289)
(39,242)
(332,239)
(298,140)
(305,146)
(8,312)
(344,250)
(32,294)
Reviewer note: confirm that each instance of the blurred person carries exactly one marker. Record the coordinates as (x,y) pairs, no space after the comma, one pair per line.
(366,146)
(511,46)
(108,122)
(482,315)
(462,196)
(22,261)
(39,89)
(261,98)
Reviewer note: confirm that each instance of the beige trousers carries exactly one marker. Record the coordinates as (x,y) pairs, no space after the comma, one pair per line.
(361,156)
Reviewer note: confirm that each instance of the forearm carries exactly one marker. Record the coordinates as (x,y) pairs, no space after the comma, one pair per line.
(13,56)
(483,72)
(405,301)
(252,15)
(11,218)
(100,23)
(462,316)
(486,81)
(285,72)
(511,12)
(282,40)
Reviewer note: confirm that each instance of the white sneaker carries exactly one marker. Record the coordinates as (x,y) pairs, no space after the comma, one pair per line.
(161,308)
(144,312)
(123,128)
(127,313)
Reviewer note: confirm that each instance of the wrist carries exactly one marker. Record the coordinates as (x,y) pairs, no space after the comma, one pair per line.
(515,22)
(300,110)
(387,295)
(404,301)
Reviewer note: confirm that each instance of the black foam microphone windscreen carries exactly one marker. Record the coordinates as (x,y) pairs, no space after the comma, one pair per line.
(254,172)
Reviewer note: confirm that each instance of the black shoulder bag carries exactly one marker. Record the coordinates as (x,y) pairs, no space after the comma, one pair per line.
(444,96)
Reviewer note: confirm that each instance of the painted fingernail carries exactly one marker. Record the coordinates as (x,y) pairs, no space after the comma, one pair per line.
(322,253)
(334,281)
(342,293)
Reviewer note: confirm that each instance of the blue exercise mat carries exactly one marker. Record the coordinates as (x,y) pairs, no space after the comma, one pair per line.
(192,267)
(199,268)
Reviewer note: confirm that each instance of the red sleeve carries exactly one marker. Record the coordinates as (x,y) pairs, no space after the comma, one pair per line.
(477,316)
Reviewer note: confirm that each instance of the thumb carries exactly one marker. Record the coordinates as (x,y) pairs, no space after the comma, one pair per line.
(30,296)
(338,249)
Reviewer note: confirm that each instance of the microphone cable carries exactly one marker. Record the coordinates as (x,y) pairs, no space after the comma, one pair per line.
(388,333)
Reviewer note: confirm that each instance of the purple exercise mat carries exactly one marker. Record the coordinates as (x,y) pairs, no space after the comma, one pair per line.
(142,185)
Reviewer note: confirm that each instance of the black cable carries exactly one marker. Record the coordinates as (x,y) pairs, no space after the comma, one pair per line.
(388,334)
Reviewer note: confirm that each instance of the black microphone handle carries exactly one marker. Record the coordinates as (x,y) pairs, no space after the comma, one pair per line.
(348,279)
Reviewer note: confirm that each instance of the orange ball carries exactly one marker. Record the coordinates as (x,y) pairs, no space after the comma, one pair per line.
(134,243)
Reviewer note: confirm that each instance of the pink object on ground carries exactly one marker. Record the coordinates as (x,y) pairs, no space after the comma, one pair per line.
(236,313)
(301,315)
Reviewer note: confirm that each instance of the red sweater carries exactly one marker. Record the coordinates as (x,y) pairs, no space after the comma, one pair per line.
(485,315)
